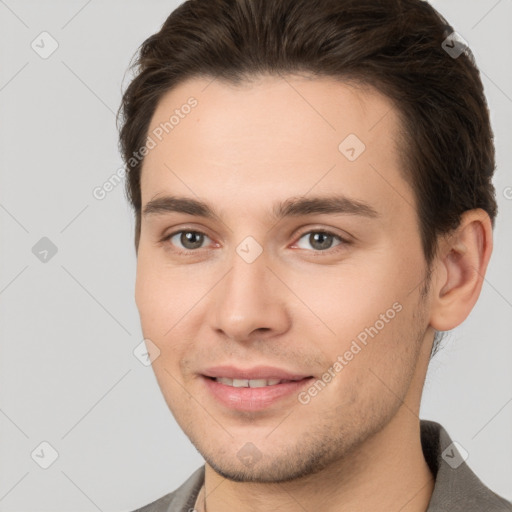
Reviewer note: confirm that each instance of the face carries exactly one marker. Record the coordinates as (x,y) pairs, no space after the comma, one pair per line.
(286,305)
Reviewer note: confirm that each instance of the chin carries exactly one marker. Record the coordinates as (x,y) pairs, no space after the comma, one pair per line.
(271,468)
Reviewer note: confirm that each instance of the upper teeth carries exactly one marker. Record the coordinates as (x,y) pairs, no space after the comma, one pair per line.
(249,383)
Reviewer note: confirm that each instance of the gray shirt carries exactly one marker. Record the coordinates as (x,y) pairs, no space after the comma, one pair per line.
(456,489)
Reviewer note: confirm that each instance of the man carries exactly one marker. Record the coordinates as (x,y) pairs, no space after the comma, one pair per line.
(312,187)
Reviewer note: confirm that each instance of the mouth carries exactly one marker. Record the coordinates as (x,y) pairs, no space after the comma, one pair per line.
(254,389)
(250,383)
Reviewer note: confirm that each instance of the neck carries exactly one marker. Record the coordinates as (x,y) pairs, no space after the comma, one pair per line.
(388,472)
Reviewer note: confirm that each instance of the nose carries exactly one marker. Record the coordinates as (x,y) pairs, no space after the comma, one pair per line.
(249,302)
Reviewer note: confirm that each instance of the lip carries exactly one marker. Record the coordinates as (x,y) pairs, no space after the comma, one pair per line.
(256,372)
(253,399)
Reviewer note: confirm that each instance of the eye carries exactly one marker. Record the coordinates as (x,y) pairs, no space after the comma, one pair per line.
(189,240)
(321,240)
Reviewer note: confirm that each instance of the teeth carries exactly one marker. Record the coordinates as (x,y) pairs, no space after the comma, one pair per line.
(260,383)
(225,380)
(249,383)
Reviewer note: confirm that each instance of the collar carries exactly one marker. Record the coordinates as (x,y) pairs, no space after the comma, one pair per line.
(456,487)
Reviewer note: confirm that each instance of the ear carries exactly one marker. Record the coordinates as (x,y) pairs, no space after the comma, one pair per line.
(460,269)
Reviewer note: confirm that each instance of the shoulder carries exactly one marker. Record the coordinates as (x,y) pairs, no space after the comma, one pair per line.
(180,500)
(456,487)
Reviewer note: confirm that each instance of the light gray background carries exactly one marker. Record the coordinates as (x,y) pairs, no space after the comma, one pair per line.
(68,327)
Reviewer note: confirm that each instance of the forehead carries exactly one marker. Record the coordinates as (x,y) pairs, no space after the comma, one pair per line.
(273,136)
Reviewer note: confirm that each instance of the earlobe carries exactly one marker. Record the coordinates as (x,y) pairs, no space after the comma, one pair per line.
(461,267)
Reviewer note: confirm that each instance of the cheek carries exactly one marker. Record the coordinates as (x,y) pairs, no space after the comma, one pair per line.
(170,305)
(376,375)
(149,297)
(163,294)
(350,297)
(371,318)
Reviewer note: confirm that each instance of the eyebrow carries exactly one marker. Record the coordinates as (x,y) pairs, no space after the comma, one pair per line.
(292,207)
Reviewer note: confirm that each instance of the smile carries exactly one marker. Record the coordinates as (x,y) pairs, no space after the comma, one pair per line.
(250,383)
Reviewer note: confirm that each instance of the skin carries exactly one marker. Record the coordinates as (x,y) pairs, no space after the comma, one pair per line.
(356,444)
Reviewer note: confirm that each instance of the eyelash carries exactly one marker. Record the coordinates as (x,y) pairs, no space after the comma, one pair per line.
(190,252)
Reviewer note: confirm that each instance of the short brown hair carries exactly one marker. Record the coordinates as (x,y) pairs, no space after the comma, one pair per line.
(395,46)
